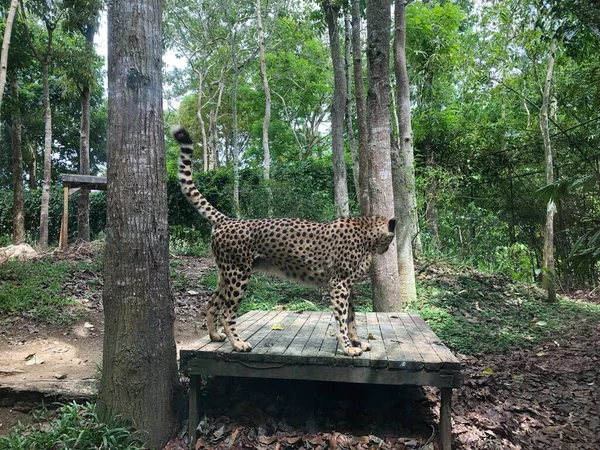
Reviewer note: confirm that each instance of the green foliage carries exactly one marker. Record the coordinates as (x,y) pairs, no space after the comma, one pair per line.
(472,312)
(75,427)
(35,289)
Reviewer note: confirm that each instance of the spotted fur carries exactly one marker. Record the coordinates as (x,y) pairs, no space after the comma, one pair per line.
(335,255)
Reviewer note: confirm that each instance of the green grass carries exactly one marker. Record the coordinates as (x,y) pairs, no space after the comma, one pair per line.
(75,427)
(35,289)
(470,311)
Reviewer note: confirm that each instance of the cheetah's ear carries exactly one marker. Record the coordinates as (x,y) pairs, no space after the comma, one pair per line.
(392,225)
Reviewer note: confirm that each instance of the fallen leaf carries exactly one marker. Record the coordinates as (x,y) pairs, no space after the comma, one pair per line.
(540,354)
(34,360)
(60,376)
(371,337)
(219,433)
(267,440)
(487,371)
(277,326)
(292,439)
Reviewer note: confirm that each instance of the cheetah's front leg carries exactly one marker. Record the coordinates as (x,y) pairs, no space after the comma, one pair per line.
(340,301)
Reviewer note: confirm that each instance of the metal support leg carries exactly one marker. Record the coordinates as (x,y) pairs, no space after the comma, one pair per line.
(446,419)
(194,411)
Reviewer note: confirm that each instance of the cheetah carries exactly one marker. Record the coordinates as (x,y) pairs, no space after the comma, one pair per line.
(333,255)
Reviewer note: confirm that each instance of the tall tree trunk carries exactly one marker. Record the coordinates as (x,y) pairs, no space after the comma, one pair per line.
(548,272)
(205,149)
(43,243)
(139,381)
(361,113)
(10,18)
(17,167)
(403,163)
(267,119)
(236,154)
(431,213)
(340,187)
(33,167)
(386,282)
(83,203)
(349,125)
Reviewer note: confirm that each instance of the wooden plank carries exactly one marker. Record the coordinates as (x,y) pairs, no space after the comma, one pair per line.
(446,356)
(243,322)
(293,352)
(283,320)
(247,327)
(311,349)
(431,360)
(414,360)
(84,181)
(264,328)
(63,237)
(393,349)
(222,367)
(377,355)
(327,353)
(288,336)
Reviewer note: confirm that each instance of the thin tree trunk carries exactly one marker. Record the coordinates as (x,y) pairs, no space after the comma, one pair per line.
(548,273)
(403,163)
(10,18)
(361,113)
(349,125)
(267,119)
(431,213)
(386,282)
(236,155)
(43,243)
(340,187)
(83,203)
(205,149)
(33,167)
(140,382)
(17,167)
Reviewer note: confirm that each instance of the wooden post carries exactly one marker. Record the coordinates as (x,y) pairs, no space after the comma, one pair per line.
(446,419)
(194,412)
(64,224)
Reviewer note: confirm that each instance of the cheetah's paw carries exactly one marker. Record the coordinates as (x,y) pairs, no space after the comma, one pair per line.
(242,346)
(217,337)
(352,351)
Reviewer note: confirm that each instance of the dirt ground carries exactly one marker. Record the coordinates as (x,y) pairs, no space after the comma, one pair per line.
(38,358)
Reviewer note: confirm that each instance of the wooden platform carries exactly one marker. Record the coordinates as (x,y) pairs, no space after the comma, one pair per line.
(304,346)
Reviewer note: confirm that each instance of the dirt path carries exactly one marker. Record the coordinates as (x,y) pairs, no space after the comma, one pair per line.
(67,361)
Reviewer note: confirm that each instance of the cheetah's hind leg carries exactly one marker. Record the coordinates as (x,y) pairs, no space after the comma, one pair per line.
(352,333)
(238,279)
(214,311)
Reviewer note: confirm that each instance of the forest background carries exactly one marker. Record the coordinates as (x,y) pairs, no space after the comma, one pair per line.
(477,72)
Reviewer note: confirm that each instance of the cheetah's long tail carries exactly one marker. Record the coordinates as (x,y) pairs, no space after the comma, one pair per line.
(186,182)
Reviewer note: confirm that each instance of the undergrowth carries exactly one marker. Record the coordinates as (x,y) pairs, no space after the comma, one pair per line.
(75,427)
(470,311)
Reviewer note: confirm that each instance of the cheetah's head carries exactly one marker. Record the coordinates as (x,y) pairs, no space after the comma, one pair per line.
(386,235)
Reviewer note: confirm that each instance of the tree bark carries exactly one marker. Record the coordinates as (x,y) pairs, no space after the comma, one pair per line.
(83,203)
(33,168)
(403,170)
(17,167)
(267,118)
(236,153)
(340,187)
(43,242)
(45,61)
(205,149)
(361,113)
(386,282)
(12,10)
(139,373)
(349,124)
(548,272)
